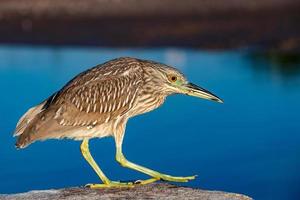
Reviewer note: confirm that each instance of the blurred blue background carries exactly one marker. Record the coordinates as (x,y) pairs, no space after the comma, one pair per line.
(249,144)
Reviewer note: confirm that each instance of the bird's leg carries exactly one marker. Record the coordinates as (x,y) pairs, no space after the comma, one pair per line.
(84,147)
(156,175)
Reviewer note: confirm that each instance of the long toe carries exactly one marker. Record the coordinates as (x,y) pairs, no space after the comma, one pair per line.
(177,178)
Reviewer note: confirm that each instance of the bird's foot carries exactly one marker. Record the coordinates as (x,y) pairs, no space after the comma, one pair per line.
(118,184)
(165,177)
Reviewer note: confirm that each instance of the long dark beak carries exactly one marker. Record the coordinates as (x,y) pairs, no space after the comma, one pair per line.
(194,90)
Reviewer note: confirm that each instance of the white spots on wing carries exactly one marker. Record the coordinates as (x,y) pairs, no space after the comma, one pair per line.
(62,122)
(81,108)
(76,102)
(114,94)
(119,105)
(107,119)
(89,127)
(88,108)
(105,108)
(75,123)
(95,97)
(126,100)
(87,100)
(95,108)
(126,73)
(113,106)
(109,108)
(107,73)
(73,100)
(133,96)
(58,113)
(108,97)
(101,108)
(124,103)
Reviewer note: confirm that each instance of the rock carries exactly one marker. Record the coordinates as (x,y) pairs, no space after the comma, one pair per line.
(151,191)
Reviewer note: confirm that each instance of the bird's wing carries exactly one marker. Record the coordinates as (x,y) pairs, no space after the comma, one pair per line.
(95,96)
(97,101)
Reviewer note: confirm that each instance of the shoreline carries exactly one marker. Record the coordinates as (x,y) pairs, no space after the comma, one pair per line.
(270,25)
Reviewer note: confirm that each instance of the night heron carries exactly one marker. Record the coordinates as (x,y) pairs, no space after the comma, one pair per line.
(98,103)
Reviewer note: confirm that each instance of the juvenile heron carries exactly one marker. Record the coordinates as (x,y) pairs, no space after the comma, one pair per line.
(98,103)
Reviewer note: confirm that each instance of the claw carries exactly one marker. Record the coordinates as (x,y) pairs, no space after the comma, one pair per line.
(137,182)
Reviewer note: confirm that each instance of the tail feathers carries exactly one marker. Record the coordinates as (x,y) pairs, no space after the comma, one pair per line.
(26,126)
(25,138)
(25,120)
(32,131)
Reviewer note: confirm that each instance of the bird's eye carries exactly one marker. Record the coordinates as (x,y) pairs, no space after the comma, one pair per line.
(173,78)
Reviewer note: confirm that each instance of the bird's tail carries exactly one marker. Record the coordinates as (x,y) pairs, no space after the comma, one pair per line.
(26,126)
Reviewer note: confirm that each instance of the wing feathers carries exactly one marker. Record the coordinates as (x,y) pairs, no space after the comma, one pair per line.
(92,98)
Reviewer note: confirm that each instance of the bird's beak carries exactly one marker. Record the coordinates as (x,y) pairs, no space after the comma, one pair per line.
(196,91)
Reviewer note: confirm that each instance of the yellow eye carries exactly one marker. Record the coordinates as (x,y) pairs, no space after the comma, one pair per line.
(173,78)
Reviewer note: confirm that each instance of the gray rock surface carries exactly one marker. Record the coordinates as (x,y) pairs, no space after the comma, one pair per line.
(152,191)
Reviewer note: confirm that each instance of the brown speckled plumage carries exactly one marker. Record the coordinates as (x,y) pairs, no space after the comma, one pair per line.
(92,103)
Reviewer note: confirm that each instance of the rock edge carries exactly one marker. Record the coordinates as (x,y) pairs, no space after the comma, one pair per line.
(151,191)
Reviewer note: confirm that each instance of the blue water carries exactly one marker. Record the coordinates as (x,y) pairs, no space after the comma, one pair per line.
(250,144)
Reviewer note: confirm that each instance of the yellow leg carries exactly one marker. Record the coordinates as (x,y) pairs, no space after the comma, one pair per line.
(84,147)
(125,163)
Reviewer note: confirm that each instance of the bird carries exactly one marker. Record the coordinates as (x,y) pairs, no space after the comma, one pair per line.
(98,103)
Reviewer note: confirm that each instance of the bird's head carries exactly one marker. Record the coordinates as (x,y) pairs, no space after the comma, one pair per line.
(172,81)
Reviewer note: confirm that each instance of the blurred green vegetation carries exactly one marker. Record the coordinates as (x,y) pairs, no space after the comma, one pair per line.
(286,65)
